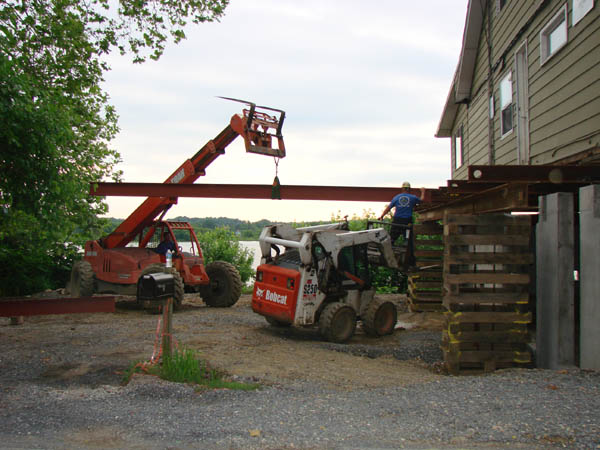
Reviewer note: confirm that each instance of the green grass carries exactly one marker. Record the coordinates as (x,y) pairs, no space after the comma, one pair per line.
(248,288)
(185,366)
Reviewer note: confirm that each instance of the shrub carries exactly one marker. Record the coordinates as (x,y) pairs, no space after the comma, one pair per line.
(221,244)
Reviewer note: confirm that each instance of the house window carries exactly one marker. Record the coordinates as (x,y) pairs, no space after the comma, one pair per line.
(554,35)
(506,104)
(457,143)
(580,9)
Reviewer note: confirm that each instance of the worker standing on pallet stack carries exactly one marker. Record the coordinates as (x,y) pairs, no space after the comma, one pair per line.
(404,203)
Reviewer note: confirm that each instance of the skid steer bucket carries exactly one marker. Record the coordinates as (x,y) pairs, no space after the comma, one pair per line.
(260,129)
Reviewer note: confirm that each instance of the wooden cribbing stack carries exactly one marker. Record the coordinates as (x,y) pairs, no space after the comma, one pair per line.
(425,283)
(487,264)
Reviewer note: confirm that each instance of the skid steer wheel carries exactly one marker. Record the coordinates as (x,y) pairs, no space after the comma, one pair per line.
(337,322)
(82,279)
(380,317)
(225,286)
(177,280)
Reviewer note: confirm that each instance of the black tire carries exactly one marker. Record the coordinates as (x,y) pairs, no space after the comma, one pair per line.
(337,322)
(225,286)
(277,323)
(380,317)
(178,283)
(82,279)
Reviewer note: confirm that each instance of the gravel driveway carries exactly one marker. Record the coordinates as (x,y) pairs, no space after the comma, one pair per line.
(60,388)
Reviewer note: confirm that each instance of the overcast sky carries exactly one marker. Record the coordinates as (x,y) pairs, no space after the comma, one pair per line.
(363,85)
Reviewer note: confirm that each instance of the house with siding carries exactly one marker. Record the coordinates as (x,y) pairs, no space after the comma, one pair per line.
(526,90)
(523,118)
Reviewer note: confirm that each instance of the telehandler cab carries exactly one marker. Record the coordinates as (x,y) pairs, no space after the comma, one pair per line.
(114,264)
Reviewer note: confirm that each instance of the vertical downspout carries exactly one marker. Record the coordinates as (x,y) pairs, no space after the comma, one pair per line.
(490,86)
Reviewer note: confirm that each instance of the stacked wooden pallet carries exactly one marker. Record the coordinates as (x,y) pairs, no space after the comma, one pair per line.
(487,264)
(425,281)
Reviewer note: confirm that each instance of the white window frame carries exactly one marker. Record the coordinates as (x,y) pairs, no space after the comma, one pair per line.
(458,146)
(557,22)
(580,9)
(504,104)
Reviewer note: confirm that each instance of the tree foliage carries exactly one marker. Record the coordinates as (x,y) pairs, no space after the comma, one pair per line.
(221,244)
(56,123)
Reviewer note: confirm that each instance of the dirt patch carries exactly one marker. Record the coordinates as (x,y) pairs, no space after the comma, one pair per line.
(96,348)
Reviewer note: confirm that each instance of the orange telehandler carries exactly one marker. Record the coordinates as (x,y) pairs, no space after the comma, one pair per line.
(113,264)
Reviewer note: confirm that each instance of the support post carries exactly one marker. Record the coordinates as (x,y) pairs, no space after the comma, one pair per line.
(167,340)
(589,220)
(555,312)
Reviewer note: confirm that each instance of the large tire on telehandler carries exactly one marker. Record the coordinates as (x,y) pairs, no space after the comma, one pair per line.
(177,280)
(337,322)
(225,286)
(82,279)
(380,317)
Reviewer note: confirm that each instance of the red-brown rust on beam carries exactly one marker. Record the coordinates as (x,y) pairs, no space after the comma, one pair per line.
(250,191)
(19,306)
(555,174)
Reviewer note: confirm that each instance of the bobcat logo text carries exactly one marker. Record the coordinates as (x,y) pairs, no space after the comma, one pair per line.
(271,296)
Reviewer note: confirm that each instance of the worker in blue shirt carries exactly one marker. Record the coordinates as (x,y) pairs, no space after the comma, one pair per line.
(404,203)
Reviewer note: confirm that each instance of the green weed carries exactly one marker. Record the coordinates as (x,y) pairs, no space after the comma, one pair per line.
(185,366)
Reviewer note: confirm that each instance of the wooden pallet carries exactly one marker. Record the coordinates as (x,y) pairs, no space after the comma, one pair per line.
(486,278)
(425,284)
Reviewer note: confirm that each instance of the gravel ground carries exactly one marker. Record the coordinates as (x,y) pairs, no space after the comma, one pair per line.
(60,388)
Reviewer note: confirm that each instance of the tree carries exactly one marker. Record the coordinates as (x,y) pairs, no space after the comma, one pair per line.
(56,123)
(221,244)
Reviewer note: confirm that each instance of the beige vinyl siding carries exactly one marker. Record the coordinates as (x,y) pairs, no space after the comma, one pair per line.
(505,26)
(478,128)
(563,95)
(461,119)
(508,22)
(474,116)
(505,147)
(565,92)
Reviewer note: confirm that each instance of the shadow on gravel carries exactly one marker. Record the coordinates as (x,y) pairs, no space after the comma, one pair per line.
(404,345)
(88,375)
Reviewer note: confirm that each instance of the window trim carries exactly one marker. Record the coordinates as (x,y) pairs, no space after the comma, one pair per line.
(508,74)
(559,19)
(459,136)
(580,12)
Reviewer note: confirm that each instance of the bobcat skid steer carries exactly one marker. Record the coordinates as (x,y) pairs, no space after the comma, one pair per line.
(319,276)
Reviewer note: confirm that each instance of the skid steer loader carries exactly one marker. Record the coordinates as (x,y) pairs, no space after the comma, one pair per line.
(319,276)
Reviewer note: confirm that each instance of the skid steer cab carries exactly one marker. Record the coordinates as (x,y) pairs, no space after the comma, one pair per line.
(121,270)
(319,276)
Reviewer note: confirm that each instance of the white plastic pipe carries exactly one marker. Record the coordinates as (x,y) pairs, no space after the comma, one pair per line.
(284,242)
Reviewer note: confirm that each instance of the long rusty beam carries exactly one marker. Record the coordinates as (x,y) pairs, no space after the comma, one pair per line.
(503,198)
(251,191)
(18,306)
(539,173)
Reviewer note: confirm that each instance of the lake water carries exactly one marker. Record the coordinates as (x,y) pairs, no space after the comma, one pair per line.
(255,247)
(252,245)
